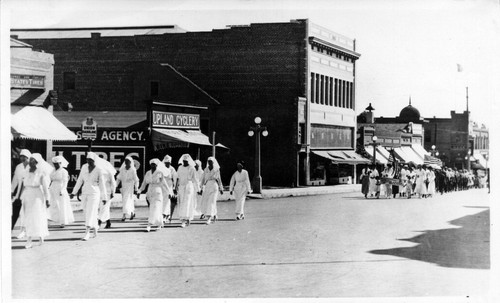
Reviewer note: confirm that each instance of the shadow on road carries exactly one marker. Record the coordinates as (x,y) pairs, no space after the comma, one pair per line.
(464,247)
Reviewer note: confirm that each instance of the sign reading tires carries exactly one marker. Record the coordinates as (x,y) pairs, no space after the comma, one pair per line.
(89,129)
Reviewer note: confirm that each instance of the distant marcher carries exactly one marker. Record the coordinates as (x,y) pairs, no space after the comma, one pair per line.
(60,206)
(374,189)
(388,173)
(410,176)
(420,180)
(211,186)
(104,213)
(240,184)
(403,173)
(93,191)
(169,201)
(365,180)
(157,185)
(36,199)
(187,187)
(197,203)
(130,186)
(17,188)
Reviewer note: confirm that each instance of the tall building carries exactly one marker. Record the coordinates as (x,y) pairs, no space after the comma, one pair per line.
(298,77)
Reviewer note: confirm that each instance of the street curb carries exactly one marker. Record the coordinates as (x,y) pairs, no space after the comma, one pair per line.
(273,193)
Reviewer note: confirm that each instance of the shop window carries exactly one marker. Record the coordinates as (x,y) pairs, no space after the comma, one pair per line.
(154,88)
(69,80)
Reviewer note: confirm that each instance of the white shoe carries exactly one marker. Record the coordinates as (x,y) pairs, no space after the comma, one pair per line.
(21,235)
(86,238)
(209,222)
(183,224)
(95,233)
(148,228)
(29,245)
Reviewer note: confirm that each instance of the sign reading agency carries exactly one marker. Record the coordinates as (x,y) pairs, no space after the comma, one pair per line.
(89,129)
(175,120)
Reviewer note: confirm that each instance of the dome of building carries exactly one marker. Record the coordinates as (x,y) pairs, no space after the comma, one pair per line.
(409,113)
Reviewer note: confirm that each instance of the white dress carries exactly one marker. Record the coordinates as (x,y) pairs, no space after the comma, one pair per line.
(93,191)
(35,193)
(166,199)
(420,187)
(240,184)
(104,213)
(431,190)
(187,189)
(198,209)
(157,185)
(373,181)
(60,205)
(19,173)
(403,179)
(130,182)
(211,184)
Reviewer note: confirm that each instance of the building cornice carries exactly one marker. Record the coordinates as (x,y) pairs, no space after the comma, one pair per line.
(335,48)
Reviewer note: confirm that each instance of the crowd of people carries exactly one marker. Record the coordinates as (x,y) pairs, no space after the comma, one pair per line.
(40,195)
(421,181)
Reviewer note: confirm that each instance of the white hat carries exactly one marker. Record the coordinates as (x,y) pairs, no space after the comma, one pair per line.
(61,160)
(187,157)
(214,161)
(41,165)
(160,166)
(101,163)
(167,158)
(25,152)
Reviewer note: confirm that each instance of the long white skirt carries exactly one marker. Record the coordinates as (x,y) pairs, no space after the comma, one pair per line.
(104,213)
(240,195)
(60,205)
(166,203)
(420,188)
(35,213)
(155,198)
(209,198)
(431,189)
(90,205)
(128,198)
(186,201)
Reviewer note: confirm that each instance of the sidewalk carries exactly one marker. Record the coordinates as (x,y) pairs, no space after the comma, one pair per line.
(268,193)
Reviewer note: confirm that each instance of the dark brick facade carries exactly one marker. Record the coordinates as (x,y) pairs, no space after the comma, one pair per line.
(256,70)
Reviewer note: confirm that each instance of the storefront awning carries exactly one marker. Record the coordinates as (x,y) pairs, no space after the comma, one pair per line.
(402,154)
(380,158)
(188,136)
(480,158)
(32,122)
(419,150)
(415,158)
(342,156)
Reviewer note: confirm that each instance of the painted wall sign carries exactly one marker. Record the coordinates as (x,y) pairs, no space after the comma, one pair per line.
(117,135)
(75,154)
(27,81)
(175,120)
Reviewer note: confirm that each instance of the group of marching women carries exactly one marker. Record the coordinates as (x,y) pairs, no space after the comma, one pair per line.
(40,194)
(422,181)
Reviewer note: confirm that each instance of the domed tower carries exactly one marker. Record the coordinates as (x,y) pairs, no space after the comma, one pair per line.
(409,114)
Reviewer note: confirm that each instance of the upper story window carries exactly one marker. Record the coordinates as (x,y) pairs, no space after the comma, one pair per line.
(69,80)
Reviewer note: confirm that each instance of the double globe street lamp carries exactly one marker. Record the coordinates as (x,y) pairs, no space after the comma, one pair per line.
(257,130)
(374,144)
(434,152)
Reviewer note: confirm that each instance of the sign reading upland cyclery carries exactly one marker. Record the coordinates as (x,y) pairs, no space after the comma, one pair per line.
(175,120)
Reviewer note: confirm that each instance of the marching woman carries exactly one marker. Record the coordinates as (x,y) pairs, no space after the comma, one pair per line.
(130,185)
(104,214)
(374,188)
(211,185)
(197,203)
(187,187)
(431,189)
(93,190)
(16,187)
(36,199)
(365,181)
(420,178)
(167,198)
(60,205)
(155,178)
(240,184)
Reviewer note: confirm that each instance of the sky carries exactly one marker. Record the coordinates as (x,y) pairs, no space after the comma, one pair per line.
(408,48)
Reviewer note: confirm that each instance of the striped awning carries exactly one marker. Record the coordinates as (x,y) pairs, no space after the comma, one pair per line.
(432,161)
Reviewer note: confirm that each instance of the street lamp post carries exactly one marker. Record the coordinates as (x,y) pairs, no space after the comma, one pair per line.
(257,130)
(374,144)
(468,160)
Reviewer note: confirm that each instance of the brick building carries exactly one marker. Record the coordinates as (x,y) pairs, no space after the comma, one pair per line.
(297,76)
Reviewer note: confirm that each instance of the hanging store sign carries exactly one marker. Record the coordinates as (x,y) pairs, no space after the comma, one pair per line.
(89,129)
(27,81)
(175,120)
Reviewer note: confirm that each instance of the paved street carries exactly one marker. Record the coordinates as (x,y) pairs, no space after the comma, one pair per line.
(336,245)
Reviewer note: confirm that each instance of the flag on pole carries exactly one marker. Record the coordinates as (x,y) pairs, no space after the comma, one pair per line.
(459,68)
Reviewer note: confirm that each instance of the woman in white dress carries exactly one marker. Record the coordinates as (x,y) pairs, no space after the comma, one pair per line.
(187,187)
(420,177)
(240,184)
(155,178)
(130,185)
(60,206)
(211,186)
(171,178)
(374,188)
(431,189)
(198,209)
(93,190)
(104,214)
(36,199)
